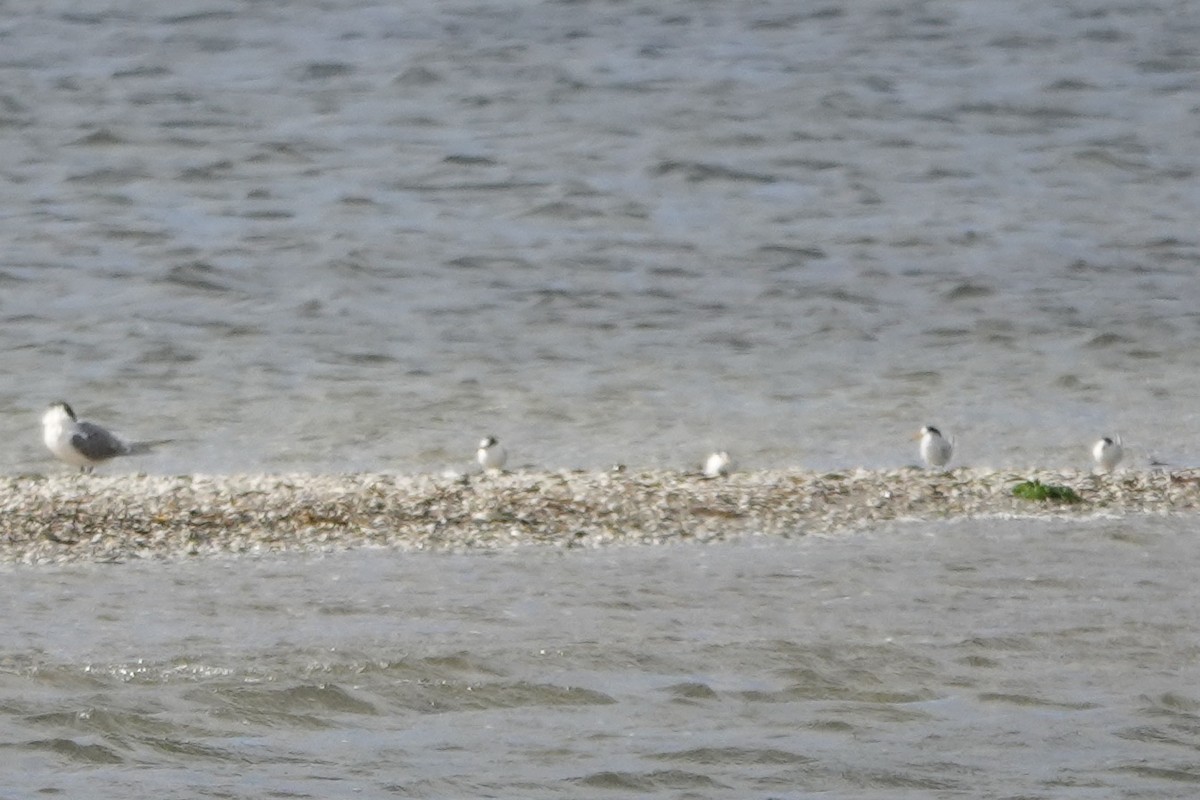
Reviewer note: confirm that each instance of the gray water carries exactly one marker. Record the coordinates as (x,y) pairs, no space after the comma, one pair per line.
(359,236)
(984,660)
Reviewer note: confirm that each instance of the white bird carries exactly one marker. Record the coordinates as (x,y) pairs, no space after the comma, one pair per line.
(718,464)
(935,448)
(491,455)
(85,444)
(1107,453)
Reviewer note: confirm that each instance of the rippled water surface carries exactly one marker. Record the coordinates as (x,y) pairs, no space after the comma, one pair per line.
(1005,659)
(358,235)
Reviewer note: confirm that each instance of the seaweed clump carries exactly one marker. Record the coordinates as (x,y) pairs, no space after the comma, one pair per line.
(1036,490)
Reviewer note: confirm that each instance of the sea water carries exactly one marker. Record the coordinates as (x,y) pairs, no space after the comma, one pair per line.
(360,236)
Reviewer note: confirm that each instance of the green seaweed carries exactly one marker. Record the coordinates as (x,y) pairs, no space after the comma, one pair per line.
(1036,490)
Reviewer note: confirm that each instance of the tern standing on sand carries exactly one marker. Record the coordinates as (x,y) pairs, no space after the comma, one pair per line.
(84,444)
(935,448)
(1107,453)
(491,455)
(718,464)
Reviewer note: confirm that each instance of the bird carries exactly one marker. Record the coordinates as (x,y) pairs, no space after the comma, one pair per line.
(936,449)
(1107,453)
(84,444)
(718,464)
(491,455)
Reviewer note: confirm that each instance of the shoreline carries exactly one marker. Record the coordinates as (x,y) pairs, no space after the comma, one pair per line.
(79,518)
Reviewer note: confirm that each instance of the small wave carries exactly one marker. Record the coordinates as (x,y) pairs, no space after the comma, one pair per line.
(675,779)
(698,171)
(198,275)
(76,751)
(735,755)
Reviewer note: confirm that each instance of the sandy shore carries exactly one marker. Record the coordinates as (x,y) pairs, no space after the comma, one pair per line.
(67,517)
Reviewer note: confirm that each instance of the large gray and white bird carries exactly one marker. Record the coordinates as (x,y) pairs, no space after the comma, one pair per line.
(936,449)
(84,444)
(1107,453)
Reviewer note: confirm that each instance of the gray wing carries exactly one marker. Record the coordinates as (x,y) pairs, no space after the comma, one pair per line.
(96,443)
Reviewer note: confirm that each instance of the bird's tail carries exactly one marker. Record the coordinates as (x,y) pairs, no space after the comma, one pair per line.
(137,448)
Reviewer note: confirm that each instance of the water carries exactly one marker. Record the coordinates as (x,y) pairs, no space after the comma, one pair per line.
(360,236)
(1002,659)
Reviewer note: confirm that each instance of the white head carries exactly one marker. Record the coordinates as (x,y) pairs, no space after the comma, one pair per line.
(58,414)
(488,442)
